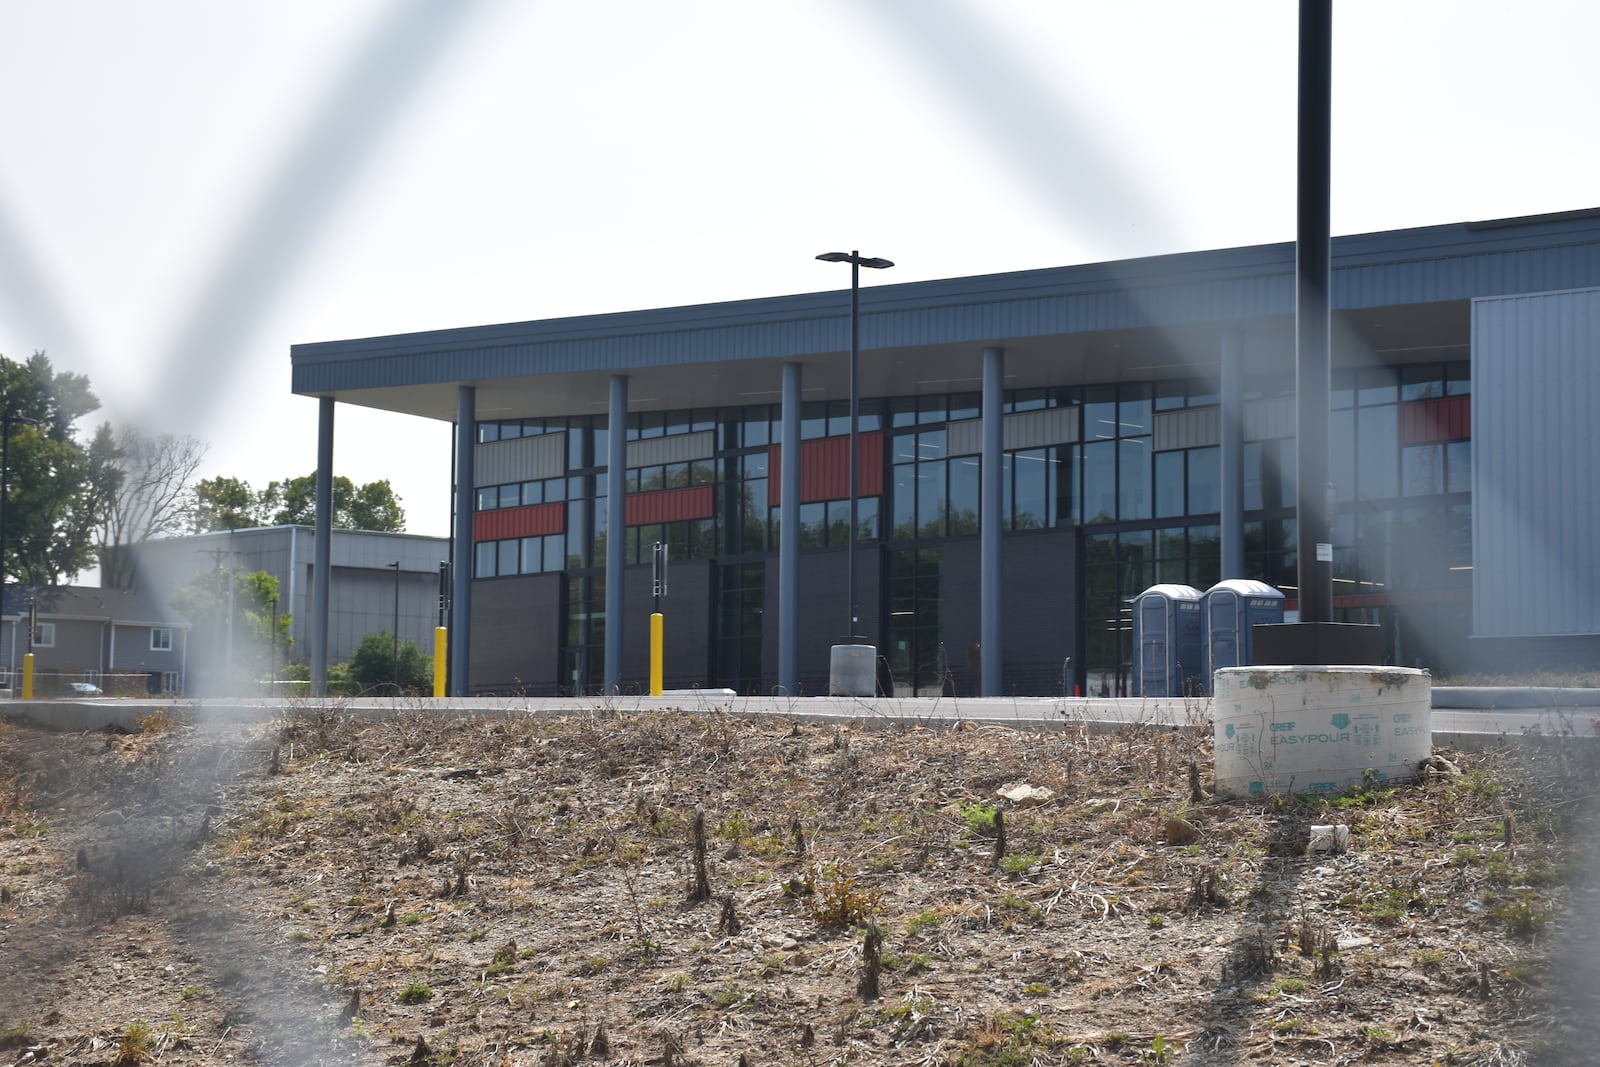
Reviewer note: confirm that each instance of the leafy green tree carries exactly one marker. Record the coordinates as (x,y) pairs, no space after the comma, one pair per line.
(230,504)
(223,504)
(56,487)
(375,659)
(228,649)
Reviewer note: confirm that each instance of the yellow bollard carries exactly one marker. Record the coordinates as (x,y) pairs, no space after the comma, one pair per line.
(657,624)
(440,646)
(27,676)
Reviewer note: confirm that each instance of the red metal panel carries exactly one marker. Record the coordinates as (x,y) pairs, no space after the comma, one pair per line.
(825,469)
(671,505)
(531,521)
(1446,418)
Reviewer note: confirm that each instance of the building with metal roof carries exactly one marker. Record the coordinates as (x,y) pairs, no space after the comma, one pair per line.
(1138,416)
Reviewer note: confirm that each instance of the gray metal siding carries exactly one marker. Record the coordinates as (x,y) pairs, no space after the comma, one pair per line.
(1536,497)
(677,448)
(525,459)
(1188,428)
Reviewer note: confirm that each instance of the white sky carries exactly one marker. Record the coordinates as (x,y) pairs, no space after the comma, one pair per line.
(187,187)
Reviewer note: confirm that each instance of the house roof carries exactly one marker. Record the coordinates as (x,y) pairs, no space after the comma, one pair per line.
(91,603)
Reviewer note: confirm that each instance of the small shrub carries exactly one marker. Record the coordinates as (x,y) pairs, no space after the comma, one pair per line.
(136,1045)
(415,993)
(840,901)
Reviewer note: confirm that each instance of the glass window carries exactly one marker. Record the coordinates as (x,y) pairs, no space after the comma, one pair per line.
(1377,385)
(555,490)
(651,424)
(1252,475)
(576,439)
(161,639)
(1203,393)
(1067,509)
(931,501)
(1171,394)
(1205,556)
(510,557)
(1205,480)
(511,495)
(965,406)
(1030,507)
(867,518)
(554,546)
(533,492)
(1100,481)
(1342,454)
(839,418)
(813,522)
(930,445)
(488,431)
(1377,450)
(676,475)
(964,502)
(1288,473)
(1169,484)
(1133,478)
(484,555)
(1133,412)
(1100,414)
(931,409)
(813,420)
(1457,379)
(532,555)
(1422,469)
(1421,383)
(1458,467)
(488,498)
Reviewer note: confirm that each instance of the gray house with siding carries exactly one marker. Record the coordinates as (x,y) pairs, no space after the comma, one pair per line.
(123,642)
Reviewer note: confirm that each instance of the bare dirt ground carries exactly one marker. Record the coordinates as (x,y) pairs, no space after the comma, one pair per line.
(518,890)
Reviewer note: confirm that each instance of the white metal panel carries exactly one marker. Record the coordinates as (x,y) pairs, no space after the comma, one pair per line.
(676,448)
(1186,428)
(524,459)
(1536,441)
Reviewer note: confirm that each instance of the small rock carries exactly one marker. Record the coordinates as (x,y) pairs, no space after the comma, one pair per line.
(110,818)
(1024,795)
(1176,831)
(1348,943)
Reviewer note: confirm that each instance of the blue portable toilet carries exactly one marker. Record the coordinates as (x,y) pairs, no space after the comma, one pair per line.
(1232,608)
(1168,641)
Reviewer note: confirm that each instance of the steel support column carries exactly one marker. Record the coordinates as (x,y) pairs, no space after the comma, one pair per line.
(991,523)
(616,524)
(461,547)
(1313,383)
(322,551)
(789,536)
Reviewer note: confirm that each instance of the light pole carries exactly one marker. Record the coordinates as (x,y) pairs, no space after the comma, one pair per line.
(856,261)
(272,658)
(395,633)
(6,422)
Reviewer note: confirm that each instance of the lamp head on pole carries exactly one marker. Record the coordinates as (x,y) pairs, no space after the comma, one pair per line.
(857,258)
